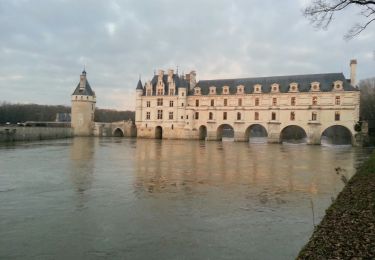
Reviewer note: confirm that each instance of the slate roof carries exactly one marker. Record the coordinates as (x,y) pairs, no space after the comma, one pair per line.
(139,85)
(179,81)
(326,83)
(87,91)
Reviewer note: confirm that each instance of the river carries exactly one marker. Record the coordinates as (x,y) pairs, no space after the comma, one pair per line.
(118,198)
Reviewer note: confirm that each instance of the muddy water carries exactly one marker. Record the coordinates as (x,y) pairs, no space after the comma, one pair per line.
(156,199)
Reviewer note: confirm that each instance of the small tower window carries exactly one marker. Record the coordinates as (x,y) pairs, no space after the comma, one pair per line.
(256,116)
(197,102)
(170,115)
(293,101)
(212,102)
(240,102)
(238,116)
(292,116)
(225,102)
(337,100)
(274,101)
(224,115)
(314,116)
(196,115)
(210,116)
(273,116)
(337,116)
(256,101)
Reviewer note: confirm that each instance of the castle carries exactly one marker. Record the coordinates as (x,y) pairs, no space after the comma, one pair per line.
(280,108)
(83,111)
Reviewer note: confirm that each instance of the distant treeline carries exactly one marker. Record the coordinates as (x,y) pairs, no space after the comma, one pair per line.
(18,113)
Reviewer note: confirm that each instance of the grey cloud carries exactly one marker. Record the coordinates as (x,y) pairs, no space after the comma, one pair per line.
(48,42)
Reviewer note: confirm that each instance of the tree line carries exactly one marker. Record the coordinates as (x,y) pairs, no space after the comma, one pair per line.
(18,113)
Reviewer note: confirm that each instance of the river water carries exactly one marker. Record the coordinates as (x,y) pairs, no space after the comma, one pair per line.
(91,198)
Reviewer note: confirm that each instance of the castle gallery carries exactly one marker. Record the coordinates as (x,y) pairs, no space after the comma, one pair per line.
(309,106)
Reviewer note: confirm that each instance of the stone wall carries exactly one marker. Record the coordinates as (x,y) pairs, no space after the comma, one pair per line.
(11,134)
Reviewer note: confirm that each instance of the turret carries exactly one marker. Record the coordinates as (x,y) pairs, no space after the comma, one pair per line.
(83,108)
(138,105)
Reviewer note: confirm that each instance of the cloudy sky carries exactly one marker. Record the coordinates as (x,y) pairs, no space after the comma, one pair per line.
(44,44)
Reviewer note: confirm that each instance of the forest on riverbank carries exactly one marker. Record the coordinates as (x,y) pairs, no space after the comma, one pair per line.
(19,113)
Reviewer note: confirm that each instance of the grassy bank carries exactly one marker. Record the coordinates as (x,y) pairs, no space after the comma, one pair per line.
(348,229)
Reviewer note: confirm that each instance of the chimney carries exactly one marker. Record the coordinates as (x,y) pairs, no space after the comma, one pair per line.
(192,78)
(82,80)
(353,72)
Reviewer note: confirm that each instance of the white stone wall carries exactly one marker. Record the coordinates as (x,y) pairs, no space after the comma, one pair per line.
(83,109)
(185,126)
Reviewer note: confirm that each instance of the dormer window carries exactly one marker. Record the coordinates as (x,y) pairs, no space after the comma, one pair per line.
(257,88)
(212,90)
(149,92)
(197,91)
(293,87)
(160,92)
(225,90)
(171,91)
(275,87)
(338,85)
(240,89)
(315,86)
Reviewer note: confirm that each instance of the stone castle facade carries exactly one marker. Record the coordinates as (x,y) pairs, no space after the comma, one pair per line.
(310,106)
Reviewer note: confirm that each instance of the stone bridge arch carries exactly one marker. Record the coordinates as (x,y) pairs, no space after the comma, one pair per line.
(293,134)
(256,132)
(202,132)
(118,132)
(337,135)
(224,130)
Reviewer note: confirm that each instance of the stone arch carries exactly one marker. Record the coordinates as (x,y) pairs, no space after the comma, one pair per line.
(158,132)
(202,132)
(293,134)
(225,131)
(336,135)
(118,132)
(257,133)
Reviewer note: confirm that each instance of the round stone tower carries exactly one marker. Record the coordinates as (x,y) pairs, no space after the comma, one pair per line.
(83,108)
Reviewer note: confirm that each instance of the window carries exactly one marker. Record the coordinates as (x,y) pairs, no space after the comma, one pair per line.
(337,116)
(172,127)
(182,117)
(160,91)
(256,116)
(274,101)
(256,101)
(170,115)
(148,115)
(182,93)
(314,100)
(160,102)
(210,116)
(187,116)
(182,104)
(225,90)
(293,101)
(197,91)
(224,115)
(212,102)
(225,102)
(273,116)
(240,102)
(196,115)
(314,116)
(148,92)
(292,116)
(160,114)
(148,103)
(337,100)
(197,102)
(238,116)
(171,103)
(171,91)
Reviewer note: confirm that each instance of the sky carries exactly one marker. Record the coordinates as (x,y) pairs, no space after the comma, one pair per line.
(45,44)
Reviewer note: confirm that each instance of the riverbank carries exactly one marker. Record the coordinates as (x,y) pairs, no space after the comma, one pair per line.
(12,133)
(348,229)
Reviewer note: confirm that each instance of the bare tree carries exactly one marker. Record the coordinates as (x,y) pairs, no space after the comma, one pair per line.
(321,13)
(367,88)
